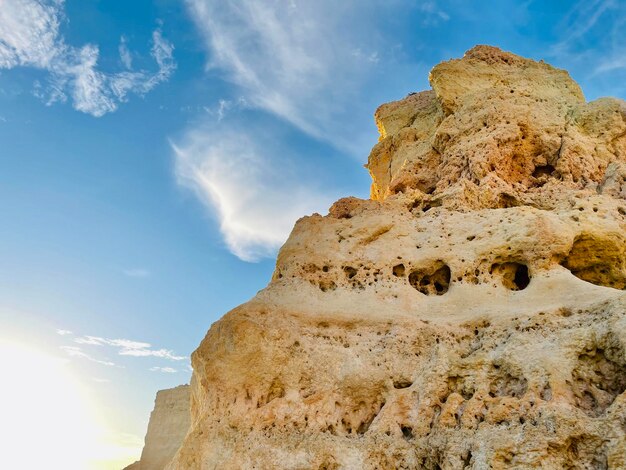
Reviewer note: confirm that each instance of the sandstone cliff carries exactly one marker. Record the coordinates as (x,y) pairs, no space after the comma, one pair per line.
(471,314)
(169,423)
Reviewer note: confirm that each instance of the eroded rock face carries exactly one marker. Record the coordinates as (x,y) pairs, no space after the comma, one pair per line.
(472,314)
(169,423)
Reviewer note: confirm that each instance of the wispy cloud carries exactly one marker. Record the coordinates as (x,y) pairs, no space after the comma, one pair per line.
(165,370)
(314,67)
(590,36)
(125,55)
(30,37)
(432,13)
(224,106)
(256,195)
(297,59)
(137,272)
(75,351)
(583,16)
(100,380)
(123,347)
(128,347)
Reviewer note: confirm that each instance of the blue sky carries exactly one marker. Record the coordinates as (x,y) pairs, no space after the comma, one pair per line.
(154,154)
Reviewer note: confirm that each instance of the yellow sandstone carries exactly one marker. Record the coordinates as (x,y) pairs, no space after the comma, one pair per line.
(470,315)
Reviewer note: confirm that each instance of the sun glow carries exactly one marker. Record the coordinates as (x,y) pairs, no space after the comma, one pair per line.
(46,419)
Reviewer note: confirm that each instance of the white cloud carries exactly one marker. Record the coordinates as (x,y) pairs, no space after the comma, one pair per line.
(100,381)
(125,54)
(253,192)
(75,351)
(162,353)
(128,347)
(296,59)
(223,107)
(591,37)
(137,272)
(166,370)
(29,32)
(64,332)
(30,37)
(320,66)
(432,13)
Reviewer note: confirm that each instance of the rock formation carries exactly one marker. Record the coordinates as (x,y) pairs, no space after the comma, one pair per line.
(169,423)
(471,314)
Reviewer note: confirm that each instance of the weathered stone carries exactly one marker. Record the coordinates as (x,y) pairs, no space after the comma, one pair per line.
(169,423)
(471,315)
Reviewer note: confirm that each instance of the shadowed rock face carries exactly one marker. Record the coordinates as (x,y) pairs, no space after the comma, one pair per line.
(169,423)
(472,314)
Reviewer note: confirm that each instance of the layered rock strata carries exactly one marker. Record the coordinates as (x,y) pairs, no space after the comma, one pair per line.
(471,314)
(169,422)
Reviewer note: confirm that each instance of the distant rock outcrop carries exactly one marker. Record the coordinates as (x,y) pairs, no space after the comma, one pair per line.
(169,423)
(471,314)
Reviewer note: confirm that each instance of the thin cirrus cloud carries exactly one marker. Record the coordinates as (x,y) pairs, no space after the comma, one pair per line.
(75,351)
(125,347)
(137,272)
(128,347)
(591,39)
(255,195)
(165,370)
(30,37)
(305,62)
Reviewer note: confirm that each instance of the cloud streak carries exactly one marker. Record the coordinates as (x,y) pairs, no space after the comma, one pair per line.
(128,347)
(305,62)
(255,195)
(75,351)
(137,272)
(123,347)
(591,38)
(30,37)
(165,370)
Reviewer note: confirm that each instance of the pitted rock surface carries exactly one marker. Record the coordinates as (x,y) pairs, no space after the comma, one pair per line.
(470,315)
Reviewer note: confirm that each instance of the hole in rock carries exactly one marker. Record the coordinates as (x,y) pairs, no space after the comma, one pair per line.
(407,432)
(398,270)
(506,384)
(598,260)
(467,460)
(514,276)
(543,170)
(506,201)
(431,204)
(350,272)
(598,381)
(435,281)
(325,286)
(402,383)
